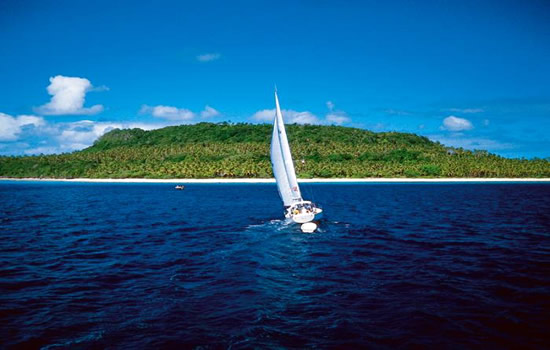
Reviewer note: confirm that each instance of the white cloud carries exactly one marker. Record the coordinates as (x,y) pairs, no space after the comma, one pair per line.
(177,114)
(486,122)
(30,119)
(62,137)
(68,96)
(290,116)
(337,118)
(168,112)
(81,134)
(302,117)
(68,137)
(73,136)
(147,126)
(209,112)
(11,127)
(265,115)
(453,123)
(208,57)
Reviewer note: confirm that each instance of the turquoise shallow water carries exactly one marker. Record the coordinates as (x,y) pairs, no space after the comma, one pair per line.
(214,266)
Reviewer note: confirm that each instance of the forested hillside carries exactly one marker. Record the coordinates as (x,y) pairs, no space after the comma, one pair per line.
(209,150)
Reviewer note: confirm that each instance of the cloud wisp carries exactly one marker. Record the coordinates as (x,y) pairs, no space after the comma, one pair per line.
(466,110)
(178,114)
(471,143)
(333,117)
(397,112)
(208,57)
(290,116)
(68,97)
(337,118)
(209,112)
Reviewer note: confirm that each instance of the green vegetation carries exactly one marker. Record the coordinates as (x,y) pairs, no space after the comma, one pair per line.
(209,150)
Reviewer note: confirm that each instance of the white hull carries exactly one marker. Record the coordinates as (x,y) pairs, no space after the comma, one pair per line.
(301,218)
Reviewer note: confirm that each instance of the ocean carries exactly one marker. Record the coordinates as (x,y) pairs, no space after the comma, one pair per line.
(400,265)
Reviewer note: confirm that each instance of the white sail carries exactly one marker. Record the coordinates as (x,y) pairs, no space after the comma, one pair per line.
(281,160)
(278,165)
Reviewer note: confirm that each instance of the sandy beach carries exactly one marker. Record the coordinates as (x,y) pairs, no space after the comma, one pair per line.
(318,180)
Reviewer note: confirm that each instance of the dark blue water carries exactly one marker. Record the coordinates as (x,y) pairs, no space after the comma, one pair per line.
(131,266)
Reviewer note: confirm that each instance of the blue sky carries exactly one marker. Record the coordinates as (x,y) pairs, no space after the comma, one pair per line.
(469,74)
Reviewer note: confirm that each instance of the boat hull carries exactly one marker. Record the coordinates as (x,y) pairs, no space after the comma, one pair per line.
(303,218)
(306,217)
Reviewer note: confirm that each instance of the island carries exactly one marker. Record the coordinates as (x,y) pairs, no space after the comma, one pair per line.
(241,150)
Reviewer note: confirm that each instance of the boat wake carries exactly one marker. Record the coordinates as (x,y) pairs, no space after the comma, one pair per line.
(288,226)
(271,226)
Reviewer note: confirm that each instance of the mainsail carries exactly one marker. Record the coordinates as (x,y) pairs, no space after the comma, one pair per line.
(281,161)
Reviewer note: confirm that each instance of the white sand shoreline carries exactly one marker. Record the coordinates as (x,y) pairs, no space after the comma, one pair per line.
(318,180)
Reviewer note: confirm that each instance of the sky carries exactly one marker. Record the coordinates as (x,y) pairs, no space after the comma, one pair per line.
(471,74)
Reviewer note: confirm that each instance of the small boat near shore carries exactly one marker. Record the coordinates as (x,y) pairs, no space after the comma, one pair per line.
(179,187)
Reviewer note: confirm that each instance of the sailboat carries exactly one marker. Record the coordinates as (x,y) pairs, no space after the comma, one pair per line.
(297,209)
